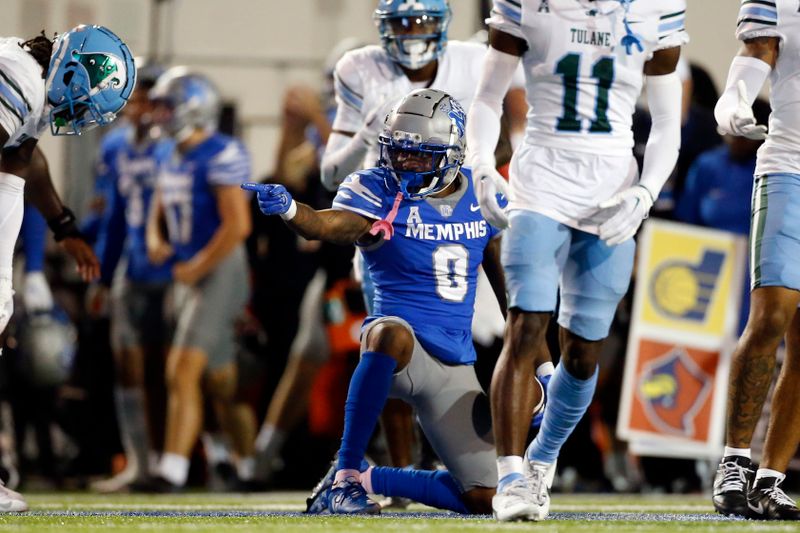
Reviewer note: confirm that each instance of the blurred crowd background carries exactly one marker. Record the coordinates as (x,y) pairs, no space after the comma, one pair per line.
(297,342)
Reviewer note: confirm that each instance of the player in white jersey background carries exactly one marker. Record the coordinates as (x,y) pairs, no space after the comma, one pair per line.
(75,83)
(575,201)
(770,32)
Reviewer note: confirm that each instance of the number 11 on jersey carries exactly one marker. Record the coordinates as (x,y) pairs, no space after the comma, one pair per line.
(603,71)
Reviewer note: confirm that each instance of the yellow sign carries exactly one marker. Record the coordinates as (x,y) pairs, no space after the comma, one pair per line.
(688,278)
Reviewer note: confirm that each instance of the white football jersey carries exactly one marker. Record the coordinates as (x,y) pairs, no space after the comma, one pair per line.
(22,97)
(781,19)
(582,85)
(366,78)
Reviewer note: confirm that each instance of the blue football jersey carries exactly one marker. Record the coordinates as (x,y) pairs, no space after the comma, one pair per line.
(427,273)
(187,190)
(131,172)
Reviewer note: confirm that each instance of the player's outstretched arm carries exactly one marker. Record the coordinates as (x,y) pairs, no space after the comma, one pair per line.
(494,271)
(331,225)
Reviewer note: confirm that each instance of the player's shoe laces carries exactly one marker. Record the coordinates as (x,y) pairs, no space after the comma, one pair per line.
(514,501)
(538,412)
(767,501)
(540,478)
(11,501)
(349,497)
(317,503)
(731,483)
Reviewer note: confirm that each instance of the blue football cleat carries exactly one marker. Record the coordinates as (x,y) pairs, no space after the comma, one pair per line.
(538,416)
(349,497)
(317,503)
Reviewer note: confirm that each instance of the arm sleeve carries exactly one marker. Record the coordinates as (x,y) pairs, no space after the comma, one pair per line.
(664,95)
(34,236)
(111,234)
(672,25)
(349,91)
(754,73)
(361,194)
(757,19)
(343,156)
(231,166)
(483,123)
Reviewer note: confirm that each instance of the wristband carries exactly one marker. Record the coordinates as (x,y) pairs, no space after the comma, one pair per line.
(291,212)
(64,225)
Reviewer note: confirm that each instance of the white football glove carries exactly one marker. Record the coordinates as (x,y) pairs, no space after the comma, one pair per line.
(488,183)
(373,123)
(36,295)
(633,206)
(6,303)
(741,122)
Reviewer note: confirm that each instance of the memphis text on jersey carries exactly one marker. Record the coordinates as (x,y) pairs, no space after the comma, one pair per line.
(416,229)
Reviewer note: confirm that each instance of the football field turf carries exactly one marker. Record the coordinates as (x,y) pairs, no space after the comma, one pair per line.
(280,511)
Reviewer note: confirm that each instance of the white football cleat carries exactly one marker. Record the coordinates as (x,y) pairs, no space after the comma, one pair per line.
(11,501)
(515,502)
(120,482)
(540,479)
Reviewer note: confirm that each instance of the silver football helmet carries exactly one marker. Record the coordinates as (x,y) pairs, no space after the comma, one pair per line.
(423,143)
(193,101)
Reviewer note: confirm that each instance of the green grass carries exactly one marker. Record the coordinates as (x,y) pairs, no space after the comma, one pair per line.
(82,513)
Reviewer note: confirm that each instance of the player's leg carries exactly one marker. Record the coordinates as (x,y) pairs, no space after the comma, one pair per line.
(387,346)
(185,368)
(752,368)
(774,248)
(595,279)
(236,418)
(771,311)
(186,363)
(129,397)
(455,415)
(11,211)
(397,417)
(225,292)
(289,404)
(534,251)
(783,435)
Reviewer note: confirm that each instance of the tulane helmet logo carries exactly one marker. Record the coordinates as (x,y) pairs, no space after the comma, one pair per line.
(105,70)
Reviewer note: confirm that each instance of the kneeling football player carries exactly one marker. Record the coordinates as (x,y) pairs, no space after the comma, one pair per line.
(417,221)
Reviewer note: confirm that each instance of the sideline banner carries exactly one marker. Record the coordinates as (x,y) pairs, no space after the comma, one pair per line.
(683,331)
